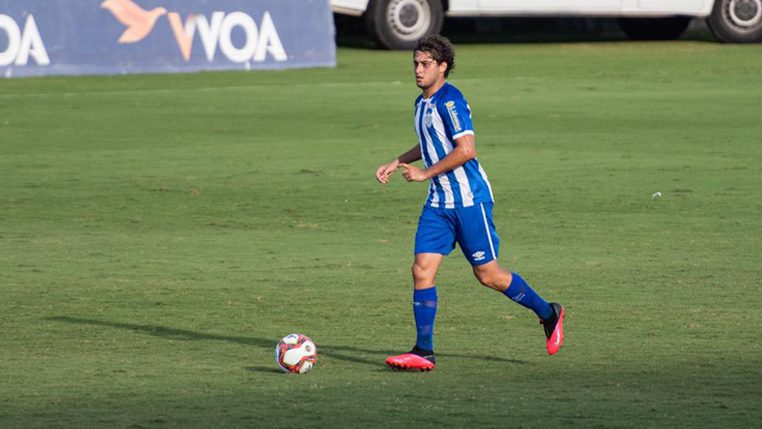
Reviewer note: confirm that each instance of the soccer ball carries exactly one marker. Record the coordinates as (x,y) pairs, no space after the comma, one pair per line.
(295,353)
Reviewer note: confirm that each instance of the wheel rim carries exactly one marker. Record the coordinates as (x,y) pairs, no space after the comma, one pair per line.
(744,15)
(409,19)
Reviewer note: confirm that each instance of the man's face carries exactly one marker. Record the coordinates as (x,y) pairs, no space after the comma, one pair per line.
(427,71)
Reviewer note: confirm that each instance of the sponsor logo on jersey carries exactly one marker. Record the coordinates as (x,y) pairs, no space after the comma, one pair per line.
(450,105)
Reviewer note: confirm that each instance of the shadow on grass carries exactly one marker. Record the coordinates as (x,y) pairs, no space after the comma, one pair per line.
(267,369)
(333,351)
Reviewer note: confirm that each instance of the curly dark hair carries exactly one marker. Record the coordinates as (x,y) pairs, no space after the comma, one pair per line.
(440,48)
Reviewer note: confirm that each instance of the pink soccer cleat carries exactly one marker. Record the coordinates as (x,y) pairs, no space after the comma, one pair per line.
(554,328)
(412,361)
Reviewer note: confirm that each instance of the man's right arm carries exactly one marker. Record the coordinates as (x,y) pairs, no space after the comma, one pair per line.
(385,171)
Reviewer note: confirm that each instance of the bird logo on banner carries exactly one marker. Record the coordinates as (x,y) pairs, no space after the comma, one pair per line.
(139,22)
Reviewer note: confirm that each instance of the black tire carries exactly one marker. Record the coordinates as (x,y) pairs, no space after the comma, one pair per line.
(654,28)
(399,24)
(736,21)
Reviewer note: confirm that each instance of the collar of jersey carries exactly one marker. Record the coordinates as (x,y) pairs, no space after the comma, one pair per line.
(428,100)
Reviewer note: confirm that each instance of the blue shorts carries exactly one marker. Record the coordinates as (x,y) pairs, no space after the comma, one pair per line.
(471,227)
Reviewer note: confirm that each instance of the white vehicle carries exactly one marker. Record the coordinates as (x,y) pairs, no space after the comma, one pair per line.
(398,24)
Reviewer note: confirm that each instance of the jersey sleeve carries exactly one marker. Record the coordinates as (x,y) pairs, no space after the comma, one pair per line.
(456,116)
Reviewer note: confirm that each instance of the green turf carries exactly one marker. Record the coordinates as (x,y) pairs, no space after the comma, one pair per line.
(159,234)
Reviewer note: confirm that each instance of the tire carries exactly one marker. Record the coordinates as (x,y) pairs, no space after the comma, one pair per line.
(654,28)
(399,24)
(736,21)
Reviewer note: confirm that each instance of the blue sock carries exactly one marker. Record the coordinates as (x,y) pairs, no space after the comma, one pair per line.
(520,292)
(425,310)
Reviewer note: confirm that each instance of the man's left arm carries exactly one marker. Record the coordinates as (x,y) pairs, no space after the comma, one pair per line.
(464,151)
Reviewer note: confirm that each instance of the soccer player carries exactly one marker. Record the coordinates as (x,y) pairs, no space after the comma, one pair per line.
(458,208)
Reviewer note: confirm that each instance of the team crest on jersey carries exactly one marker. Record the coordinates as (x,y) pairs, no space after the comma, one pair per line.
(450,105)
(427,119)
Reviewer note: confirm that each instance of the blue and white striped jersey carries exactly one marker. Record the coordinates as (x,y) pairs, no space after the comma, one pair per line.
(439,121)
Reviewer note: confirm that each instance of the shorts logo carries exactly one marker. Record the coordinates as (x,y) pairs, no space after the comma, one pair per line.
(478,256)
(450,105)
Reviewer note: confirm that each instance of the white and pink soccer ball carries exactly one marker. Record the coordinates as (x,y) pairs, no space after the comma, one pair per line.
(295,353)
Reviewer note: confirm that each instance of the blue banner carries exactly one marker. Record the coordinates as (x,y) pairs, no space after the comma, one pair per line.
(55,37)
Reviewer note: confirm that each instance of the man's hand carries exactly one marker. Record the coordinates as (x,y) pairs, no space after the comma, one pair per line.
(412,173)
(385,171)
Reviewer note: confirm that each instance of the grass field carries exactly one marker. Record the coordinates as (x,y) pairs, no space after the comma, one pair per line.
(159,234)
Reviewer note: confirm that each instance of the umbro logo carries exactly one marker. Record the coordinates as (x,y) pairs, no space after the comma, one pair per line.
(478,256)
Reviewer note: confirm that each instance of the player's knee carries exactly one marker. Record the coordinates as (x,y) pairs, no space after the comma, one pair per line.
(484,278)
(422,274)
(489,277)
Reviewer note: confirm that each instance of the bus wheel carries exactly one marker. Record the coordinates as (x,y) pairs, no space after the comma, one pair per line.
(736,21)
(398,24)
